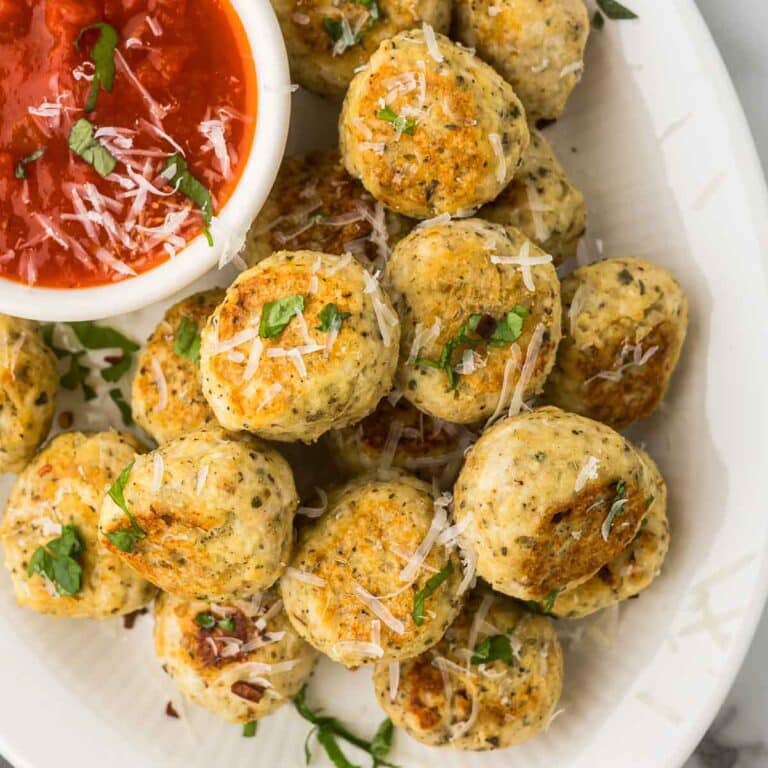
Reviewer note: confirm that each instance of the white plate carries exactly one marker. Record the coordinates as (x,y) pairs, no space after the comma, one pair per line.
(661,148)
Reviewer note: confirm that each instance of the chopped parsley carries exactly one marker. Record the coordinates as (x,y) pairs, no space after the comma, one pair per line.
(649,501)
(615,10)
(125,539)
(205,620)
(485,329)
(494,648)
(331,319)
(340,29)
(545,608)
(598,20)
(125,409)
(329,729)
(276,315)
(85,146)
(227,624)
(619,502)
(177,173)
(429,588)
(333,27)
(21,167)
(77,376)
(187,341)
(399,123)
(55,561)
(103,57)
(249,729)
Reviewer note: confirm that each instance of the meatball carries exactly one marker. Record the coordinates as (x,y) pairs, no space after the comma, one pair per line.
(480,312)
(429,128)
(624,323)
(536,45)
(28,385)
(551,497)
(167,397)
(542,202)
(213,512)
(242,659)
(356,581)
(303,342)
(50,530)
(493,681)
(399,435)
(327,42)
(634,568)
(316,205)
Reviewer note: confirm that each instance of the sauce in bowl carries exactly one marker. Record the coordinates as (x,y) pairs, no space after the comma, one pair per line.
(124,128)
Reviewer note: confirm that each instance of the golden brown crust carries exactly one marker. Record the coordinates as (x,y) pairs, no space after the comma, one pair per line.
(513,700)
(185,409)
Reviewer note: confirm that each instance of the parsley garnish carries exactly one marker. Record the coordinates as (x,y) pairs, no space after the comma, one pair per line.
(21,167)
(249,729)
(495,648)
(84,145)
(399,123)
(598,20)
(177,173)
(615,10)
(486,330)
(619,501)
(545,608)
(331,319)
(334,28)
(125,409)
(328,729)
(227,624)
(317,216)
(429,588)
(276,315)
(649,501)
(187,343)
(103,57)
(205,620)
(55,562)
(93,336)
(77,376)
(125,539)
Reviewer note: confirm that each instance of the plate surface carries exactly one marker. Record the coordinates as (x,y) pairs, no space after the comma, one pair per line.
(657,140)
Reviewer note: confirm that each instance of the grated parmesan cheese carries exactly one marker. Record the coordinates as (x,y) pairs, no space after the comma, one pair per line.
(378,608)
(307,578)
(158,469)
(531,357)
(588,472)
(501,160)
(431,42)
(161,384)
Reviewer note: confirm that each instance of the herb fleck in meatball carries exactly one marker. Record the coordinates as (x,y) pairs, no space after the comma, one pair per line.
(429,128)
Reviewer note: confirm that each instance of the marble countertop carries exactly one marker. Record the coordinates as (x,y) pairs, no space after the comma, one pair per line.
(738,738)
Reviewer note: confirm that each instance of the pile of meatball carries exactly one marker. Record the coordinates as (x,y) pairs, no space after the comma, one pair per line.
(402,305)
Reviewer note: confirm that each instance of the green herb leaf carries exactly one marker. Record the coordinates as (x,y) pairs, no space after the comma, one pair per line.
(598,20)
(125,409)
(615,10)
(205,620)
(429,588)
(545,608)
(177,173)
(227,624)
(77,376)
(84,145)
(125,539)
(327,739)
(333,28)
(509,329)
(382,740)
(249,729)
(649,501)
(331,319)
(187,343)
(317,217)
(55,561)
(276,315)
(93,336)
(103,57)
(494,648)
(399,123)
(21,167)
(619,502)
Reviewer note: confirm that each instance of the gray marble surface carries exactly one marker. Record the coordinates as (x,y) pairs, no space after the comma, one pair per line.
(738,738)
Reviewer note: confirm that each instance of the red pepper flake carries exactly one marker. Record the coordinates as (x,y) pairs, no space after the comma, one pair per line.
(44,470)
(129,619)
(170,710)
(114,359)
(248,691)
(66,419)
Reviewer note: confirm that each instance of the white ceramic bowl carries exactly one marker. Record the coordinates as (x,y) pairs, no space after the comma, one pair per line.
(274,106)
(656,138)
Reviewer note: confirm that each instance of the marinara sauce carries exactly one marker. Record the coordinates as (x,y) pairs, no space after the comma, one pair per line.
(183,92)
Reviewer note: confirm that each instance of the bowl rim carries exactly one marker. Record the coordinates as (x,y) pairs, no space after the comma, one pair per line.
(229,227)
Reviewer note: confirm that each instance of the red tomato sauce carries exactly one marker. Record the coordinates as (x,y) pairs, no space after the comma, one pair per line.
(184,82)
